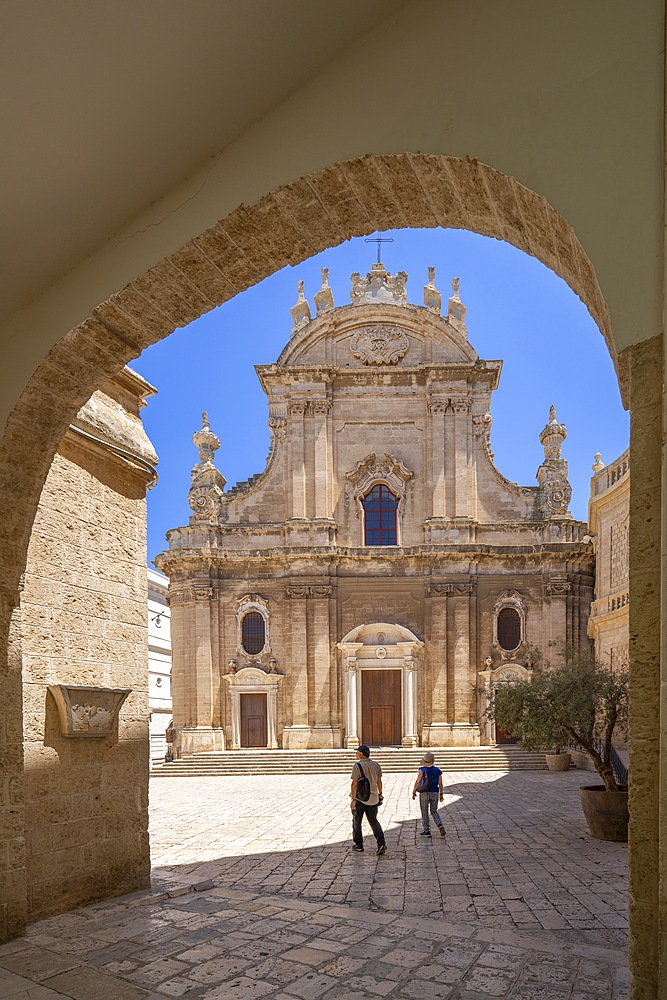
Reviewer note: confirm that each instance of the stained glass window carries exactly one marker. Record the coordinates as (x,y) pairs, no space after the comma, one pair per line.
(380,507)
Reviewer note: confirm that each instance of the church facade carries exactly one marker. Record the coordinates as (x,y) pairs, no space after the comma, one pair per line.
(380,575)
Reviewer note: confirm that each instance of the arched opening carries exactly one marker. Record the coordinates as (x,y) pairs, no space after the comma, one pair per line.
(150,308)
(380,516)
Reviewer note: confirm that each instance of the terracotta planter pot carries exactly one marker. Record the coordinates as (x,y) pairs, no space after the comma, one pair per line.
(606,812)
(558,761)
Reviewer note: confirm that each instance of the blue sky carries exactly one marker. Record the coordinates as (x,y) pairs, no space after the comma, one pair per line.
(518,311)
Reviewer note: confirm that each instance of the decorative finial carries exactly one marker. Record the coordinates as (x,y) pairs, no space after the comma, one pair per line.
(456,311)
(300,311)
(206,442)
(599,464)
(432,297)
(555,490)
(206,494)
(324,298)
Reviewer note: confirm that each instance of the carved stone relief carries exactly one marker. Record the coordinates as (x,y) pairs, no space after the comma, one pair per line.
(87,712)
(379,345)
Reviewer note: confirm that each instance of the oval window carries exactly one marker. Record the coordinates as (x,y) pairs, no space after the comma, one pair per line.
(509,628)
(253,632)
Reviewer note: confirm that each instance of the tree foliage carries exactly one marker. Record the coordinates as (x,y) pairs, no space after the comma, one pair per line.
(577,699)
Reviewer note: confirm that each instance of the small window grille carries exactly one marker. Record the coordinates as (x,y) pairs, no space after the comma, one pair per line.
(509,628)
(253,632)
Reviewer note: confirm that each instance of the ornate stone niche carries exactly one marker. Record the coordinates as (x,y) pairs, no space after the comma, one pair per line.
(87,712)
(254,680)
(253,602)
(370,471)
(509,599)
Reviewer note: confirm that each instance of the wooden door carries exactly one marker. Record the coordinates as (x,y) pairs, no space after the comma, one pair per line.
(253,720)
(502,737)
(381,707)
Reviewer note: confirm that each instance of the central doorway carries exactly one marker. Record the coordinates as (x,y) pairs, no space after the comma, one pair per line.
(253,720)
(381,707)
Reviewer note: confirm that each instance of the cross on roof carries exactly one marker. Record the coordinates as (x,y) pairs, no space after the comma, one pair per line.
(379,240)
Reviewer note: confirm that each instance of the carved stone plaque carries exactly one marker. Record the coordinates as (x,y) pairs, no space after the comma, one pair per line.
(379,345)
(87,712)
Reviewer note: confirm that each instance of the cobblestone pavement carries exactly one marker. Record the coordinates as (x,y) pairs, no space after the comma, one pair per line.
(256,894)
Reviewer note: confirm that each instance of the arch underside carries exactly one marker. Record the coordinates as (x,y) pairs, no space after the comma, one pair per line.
(352,198)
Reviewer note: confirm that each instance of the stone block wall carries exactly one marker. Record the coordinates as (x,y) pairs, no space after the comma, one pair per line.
(84,622)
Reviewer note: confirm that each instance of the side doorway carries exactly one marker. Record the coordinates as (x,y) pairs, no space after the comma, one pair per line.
(254,719)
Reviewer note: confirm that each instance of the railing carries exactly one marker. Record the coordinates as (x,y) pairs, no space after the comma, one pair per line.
(618,767)
(611,474)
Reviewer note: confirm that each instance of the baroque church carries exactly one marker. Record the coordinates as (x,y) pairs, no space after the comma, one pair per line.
(381,574)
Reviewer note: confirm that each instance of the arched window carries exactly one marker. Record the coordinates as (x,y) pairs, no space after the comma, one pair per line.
(253,632)
(380,506)
(509,628)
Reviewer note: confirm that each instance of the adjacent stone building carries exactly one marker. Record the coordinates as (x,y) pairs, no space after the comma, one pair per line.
(159,663)
(380,572)
(608,520)
(84,659)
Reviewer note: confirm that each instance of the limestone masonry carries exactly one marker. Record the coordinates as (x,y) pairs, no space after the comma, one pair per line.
(381,572)
(84,659)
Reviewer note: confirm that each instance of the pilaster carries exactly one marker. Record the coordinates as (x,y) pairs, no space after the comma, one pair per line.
(321,432)
(437,408)
(297,411)
(296,736)
(461,410)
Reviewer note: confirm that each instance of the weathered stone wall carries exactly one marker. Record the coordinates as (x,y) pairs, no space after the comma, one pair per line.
(84,623)
(648,874)
(608,520)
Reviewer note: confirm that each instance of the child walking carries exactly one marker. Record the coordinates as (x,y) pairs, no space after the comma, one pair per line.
(428,800)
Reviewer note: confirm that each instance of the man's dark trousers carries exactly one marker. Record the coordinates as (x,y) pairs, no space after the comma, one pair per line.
(371,813)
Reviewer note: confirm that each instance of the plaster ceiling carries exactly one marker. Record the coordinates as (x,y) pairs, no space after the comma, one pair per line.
(107,106)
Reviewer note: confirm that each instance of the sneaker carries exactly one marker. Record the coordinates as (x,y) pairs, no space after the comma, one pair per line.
(443,832)
(382,849)
(357,847)
(425,833)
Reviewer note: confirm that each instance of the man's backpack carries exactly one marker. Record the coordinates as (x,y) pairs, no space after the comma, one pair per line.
(363,786)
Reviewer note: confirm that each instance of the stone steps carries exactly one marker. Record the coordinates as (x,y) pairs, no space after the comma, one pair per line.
(240,762)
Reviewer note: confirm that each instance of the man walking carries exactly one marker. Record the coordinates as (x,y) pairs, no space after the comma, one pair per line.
(364,767)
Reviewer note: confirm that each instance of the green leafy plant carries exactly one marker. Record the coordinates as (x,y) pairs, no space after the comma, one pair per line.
(578,699)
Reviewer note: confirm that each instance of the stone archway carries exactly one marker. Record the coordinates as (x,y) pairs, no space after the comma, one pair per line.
(355,197)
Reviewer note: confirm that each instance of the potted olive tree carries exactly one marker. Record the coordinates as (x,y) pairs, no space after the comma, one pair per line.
(576,700)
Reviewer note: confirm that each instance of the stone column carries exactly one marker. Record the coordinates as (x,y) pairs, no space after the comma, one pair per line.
(460,696)
(297,735)
(648,671)
(194,691)
(322,734)
(437,409)
(409,701)
(461,408)
(351,703)
(271,716)
(556,592)
(434,733)
(298,458)
(320,408)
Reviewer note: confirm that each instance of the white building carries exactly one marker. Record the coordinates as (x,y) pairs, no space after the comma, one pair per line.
(159,662)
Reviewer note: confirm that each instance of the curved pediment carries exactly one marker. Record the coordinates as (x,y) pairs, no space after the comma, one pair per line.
(379,634)
(378,336)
